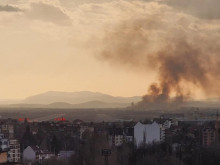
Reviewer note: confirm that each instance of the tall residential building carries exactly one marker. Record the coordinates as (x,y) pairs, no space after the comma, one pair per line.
(8,144)
(14,151)
(147,133)
(164,125)
(8,130)
(208,136)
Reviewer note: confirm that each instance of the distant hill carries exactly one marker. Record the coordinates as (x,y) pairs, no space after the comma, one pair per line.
(63,105)
(85,97)
(90,104)
(59,105)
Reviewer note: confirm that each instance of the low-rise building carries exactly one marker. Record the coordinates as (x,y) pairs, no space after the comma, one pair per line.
(65,154)
(129,134)
(116,137)
(33,154)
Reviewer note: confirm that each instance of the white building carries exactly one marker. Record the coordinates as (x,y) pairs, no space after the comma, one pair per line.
(33,154)
(147,133)
(29,155)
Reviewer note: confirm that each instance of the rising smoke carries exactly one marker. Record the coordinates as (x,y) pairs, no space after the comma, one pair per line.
(182,49)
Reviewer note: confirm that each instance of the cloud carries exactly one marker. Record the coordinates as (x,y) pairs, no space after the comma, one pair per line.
(48,13)
(206,9)
(9,8)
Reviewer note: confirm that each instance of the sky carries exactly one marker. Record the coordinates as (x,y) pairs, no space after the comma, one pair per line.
(58,45)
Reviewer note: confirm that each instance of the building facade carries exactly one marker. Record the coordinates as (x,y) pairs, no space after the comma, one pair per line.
(208,136)
(116,137)
(33,154)
(14,151)
(147,133)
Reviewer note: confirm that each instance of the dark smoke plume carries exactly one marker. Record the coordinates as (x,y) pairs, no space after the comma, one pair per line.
(184,57)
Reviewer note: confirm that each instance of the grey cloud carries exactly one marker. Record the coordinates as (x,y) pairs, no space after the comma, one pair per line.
(48,13)
(206,9)
(9,8)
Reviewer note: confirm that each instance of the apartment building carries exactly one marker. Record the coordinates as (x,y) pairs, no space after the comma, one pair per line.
(208,136)
(147,133)
(14,151)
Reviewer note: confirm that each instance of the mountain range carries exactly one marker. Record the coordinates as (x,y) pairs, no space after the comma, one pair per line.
(82,99)
(87,99)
